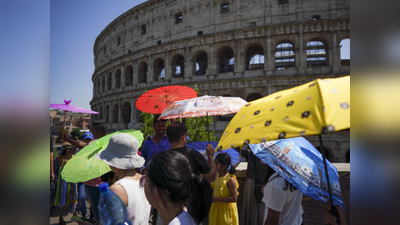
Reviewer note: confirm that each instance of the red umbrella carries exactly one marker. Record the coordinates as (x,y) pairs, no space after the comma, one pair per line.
(156,100)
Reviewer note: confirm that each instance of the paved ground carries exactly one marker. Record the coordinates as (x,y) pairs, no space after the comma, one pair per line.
(67,219)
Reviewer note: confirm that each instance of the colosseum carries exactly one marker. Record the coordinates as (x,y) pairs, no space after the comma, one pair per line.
(246,49)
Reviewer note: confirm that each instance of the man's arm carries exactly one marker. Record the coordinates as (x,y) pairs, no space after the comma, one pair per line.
(212,175)
(273,217)
(75,143)
(51,167)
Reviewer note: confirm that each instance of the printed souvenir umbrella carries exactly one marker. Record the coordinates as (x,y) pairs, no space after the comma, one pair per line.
(85,166)
(201,146)
(315,108)
(301,164)
(66,107)
(203,106)
(156,100)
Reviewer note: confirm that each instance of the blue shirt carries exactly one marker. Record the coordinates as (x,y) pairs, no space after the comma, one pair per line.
(150,148)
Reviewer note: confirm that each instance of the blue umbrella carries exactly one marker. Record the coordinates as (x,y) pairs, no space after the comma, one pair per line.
(202,145)
(301,164)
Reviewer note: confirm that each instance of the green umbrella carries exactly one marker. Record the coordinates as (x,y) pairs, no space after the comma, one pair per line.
(85,166)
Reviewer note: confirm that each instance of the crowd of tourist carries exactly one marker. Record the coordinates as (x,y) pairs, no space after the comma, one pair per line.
(167,183)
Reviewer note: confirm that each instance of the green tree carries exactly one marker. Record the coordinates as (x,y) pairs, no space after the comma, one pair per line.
(76,134)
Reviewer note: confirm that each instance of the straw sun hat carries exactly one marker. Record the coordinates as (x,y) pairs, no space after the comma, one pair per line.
(121,152)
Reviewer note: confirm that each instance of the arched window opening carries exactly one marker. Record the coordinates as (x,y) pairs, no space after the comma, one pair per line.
(316,54)
(179,66)
(348,156)
(115,114)
(103,83)
(255,58)
(226,60)
(109,81)
(142,73)
(284,56)
(126,113)
(253,96)
(129,76)
(328,155)
(158,70)
(345,52)
(107,114)
(201,64)
(98,86)
(118,79)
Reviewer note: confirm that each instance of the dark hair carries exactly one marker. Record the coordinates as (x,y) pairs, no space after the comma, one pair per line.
(170,171)
(100,125)
(271,171)
(175,130)
(156,120)
(225,160)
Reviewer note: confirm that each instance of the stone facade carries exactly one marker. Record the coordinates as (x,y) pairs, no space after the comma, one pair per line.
(247,49)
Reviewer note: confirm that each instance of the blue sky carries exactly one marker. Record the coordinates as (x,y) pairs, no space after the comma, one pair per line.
(50,48)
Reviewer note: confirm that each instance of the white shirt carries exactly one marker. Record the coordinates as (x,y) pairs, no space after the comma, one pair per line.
(287,202)
(138,207)
(183,218)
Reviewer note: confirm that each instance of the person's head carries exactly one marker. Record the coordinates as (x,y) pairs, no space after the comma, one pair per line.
(99,129)
(169,179)
(222,163)
(159,126)
(177,133)
(87,137)
(121,152)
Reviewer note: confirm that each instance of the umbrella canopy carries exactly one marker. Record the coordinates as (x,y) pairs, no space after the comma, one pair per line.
(85,166)
(201,146)
(320,106)
(70,108)
(203,106)
(156,100)
(297,160)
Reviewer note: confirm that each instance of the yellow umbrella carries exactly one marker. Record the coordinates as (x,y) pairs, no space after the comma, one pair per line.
(318,107)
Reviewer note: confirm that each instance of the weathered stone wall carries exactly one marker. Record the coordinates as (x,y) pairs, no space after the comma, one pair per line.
(128,60)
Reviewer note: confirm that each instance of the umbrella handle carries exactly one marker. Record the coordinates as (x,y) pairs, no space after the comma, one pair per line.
(208,129)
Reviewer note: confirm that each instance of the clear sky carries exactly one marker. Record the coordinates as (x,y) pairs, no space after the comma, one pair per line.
(74,26)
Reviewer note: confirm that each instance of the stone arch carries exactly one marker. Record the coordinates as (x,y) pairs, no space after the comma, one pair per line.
(118,79)
(159,69)
(347,156)
(201,63)
(109,81)
(253,96)
(226,60)
(142,78)
(115,113)
(254,59)
(126,113)
(317,52)
(101,113)
(284,55)
(345,55)
(98,86)
(107,114)
(178,66)
(128,76)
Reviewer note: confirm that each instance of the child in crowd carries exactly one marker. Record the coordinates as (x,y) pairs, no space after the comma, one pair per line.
(223,209)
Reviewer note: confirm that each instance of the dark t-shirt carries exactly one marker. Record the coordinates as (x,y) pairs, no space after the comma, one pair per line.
(197,161)
(260,166)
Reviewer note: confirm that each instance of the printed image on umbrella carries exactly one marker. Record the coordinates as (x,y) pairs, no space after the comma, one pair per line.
(156,100)
(203,106)
(84,166)
(301,164)
(202,145)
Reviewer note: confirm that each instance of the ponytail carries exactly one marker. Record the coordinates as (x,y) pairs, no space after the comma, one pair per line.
(200,199)
(232,170)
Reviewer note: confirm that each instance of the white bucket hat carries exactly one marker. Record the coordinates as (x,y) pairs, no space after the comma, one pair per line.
(121,152)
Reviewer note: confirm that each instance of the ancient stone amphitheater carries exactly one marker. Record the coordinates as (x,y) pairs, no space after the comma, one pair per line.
(247,49)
